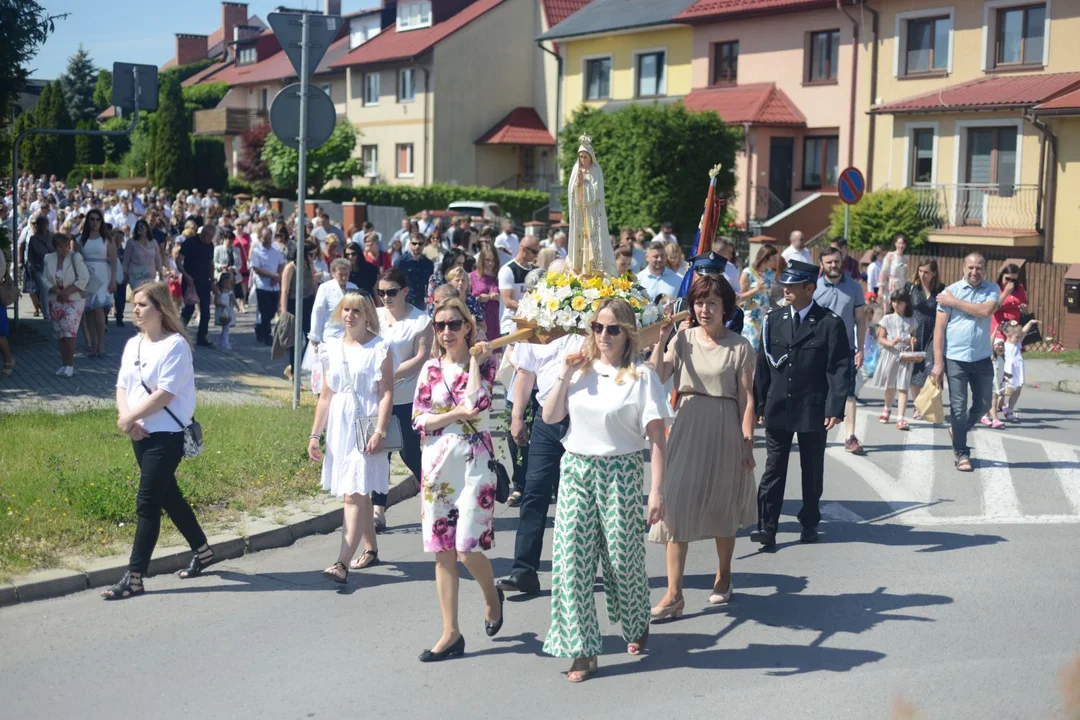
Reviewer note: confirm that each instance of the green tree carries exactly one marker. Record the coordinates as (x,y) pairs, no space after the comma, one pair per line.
(333,161)
(140,159)
(171,159)
(29,154)
(656,161)
(88,148)
(78,83)
(118,146)
(881,215)
(24,27)
(209,157)
(103,90)
(57,152)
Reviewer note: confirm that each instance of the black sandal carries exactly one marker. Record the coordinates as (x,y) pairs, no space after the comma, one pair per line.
(330,574)
(514,500)
(359,564)
(199,562)
(127,587)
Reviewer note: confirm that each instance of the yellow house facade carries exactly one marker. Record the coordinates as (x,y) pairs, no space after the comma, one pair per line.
(958,99)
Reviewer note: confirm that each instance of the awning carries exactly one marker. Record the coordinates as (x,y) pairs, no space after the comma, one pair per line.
(757,104)
(521,127)
(1000,92)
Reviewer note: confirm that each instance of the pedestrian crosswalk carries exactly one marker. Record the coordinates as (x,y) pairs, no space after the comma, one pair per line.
(1018,479)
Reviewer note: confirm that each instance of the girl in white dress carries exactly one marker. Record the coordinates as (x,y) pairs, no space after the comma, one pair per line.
(896,332)
(358,381)
(99,253)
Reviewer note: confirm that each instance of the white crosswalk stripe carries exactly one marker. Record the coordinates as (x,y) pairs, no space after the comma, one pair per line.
(999,499)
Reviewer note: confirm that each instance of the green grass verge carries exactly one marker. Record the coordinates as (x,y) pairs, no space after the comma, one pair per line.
(1066,357)
(68,482)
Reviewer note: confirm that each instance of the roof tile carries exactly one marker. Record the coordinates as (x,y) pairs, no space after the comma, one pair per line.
(995,91)
(758,104)
(714,9)
(278,67)
(558,10)
(522,126)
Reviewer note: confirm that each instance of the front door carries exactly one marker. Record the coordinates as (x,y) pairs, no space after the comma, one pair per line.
(781,157)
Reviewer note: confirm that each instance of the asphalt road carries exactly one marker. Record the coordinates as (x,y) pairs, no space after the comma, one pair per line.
(957,592)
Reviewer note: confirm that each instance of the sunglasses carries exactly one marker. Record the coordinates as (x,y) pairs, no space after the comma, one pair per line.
(350,254)
(1009,279)
(530,250)
(611,330)
(391,294)
(453,325)
(414,244)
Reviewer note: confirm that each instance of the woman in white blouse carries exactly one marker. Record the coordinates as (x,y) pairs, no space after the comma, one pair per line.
(155,399)
(323,328)
(613,404)
(408,330)
(65,278)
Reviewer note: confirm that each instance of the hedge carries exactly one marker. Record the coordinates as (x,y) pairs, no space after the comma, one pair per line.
(882,215)
(84,171)
(519,204)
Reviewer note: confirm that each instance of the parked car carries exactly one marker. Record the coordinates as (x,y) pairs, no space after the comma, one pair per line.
(490,212)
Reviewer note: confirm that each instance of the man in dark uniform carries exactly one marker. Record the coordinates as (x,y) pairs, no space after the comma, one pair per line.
(801,385)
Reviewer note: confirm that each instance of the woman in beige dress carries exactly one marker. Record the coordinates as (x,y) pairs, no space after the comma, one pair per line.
(710,490)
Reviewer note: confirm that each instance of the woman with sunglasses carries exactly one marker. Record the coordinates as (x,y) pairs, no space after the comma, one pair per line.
(613,404)
(363,275)
(451,410)
(408,330)
(99,253)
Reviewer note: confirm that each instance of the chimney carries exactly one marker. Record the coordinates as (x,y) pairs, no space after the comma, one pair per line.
(332,7)
(233,15)
(190,48)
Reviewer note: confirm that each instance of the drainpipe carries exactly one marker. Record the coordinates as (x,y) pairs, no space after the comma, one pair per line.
(558,96)
(1049,142)
(427,97)
(872,132)
(854,81)
(750,172)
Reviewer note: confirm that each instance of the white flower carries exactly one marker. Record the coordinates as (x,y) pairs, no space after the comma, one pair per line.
(649,315)
(590,294)
(544,294)
(563,293)
(583,322)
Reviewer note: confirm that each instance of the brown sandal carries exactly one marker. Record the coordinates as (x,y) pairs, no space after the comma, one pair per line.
(337,572)
(366,560)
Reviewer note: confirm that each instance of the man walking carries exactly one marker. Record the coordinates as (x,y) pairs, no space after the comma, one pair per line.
(197,260)
(838,292)
(267,263)
(962,351)
(417,269)
(657,278)
(512,281)
(801,386)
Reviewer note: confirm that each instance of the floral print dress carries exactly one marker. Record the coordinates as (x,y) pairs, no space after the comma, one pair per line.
(457,486)
(758,305)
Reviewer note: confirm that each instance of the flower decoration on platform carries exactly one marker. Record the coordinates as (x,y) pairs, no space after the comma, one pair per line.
(564,301)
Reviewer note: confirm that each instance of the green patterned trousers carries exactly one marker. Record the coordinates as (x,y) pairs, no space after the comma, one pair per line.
(599,517)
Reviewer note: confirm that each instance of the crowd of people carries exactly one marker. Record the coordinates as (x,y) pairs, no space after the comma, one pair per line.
(398,335)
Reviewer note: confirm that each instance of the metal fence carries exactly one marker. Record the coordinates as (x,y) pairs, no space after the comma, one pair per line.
(973,205)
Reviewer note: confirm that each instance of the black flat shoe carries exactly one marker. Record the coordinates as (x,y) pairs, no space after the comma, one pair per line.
(766,538)
(456,649)
(128,587)
(199,562)
(520,582)
(514,500)
(492,628)
(809,535)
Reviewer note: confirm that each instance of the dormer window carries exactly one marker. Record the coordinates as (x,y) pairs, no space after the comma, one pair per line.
(413,15)
(247,56)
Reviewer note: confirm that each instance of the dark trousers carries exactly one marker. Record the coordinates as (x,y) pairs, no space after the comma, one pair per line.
(545,453)
(203,291)
(268,306)
(120,300)
(519,454)
(774,479)
(158,456)
(410,448)
(979,377)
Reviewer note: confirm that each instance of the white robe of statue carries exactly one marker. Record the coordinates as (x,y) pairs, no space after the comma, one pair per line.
(589,247)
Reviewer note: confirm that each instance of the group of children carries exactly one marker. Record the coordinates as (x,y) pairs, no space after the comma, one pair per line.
(896,335)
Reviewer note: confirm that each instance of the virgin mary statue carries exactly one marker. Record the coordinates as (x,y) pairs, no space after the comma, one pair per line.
(589,247)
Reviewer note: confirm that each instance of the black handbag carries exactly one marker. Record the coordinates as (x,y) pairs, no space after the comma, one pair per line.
(1036,333)
(193,434)
(502,478)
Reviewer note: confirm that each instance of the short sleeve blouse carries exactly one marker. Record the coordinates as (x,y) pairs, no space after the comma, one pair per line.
(713,370)
(402,334)
(162,365)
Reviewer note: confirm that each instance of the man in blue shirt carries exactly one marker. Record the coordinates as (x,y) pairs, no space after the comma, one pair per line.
(838,292)
(417,269)
(962,350)
(658,279)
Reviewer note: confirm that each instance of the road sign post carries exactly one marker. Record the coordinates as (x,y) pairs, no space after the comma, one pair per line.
(315,32)
(850,187)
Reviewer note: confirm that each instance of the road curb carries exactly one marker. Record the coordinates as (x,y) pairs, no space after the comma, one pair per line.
(260,534)
(1068,386)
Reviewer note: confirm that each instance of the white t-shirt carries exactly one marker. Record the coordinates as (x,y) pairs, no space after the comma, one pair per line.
(268,259)
(608,419)
(512,278)
(732,274)
(165,365)
(802,255)
(667,238)
(546,361)
(508,244)
(873,276)
(402,334)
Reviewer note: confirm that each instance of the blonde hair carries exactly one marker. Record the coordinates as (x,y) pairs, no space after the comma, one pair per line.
(459,272)
(545,257)
(357,301)
(453,303)
(157,294)
(627,320)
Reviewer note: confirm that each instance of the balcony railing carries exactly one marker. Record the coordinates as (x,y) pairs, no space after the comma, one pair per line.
(228,121)
(977,205)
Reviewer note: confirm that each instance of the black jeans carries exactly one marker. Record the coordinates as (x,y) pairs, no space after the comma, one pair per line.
(519,454)
(268,306)
(545,454)
(774,479)
(203,291)
(410,448)
(120,300)
(158,456)
(979,376)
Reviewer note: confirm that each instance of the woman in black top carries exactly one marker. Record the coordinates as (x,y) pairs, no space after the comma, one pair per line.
(364,275)
(924,292)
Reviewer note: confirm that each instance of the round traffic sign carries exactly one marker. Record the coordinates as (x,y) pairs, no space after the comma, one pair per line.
(851,186)
(285,116)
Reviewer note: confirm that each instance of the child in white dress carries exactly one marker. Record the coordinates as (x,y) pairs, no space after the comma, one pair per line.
(1013,377)
(226,308)
(895,335)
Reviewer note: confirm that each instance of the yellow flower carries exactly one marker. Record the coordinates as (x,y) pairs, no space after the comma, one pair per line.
(635,303)
(606,291)
(622,284)
(595,305)
(579,303)
(553,305)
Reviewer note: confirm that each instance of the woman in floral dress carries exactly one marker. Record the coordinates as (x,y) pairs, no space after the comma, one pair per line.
(451,412)
(755,290)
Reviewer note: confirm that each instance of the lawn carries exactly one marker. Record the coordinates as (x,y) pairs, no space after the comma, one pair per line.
(1067,357)
(68,482)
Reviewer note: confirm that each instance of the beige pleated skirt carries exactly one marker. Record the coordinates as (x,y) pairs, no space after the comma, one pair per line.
(707,493)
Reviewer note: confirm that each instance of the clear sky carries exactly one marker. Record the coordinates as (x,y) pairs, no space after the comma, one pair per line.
(141,31)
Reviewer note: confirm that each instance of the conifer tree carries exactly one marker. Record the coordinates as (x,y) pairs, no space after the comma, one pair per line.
(171,162)
(103,90)
(78,83)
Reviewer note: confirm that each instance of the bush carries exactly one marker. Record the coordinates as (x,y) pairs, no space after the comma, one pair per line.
(204,96)
(333,161)
(520,204)
(880,216)
(84,171)
(208,162)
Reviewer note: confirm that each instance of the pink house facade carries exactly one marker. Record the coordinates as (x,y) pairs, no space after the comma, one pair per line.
(787,78)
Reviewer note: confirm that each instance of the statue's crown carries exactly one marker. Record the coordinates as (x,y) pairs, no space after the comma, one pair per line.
(585,140)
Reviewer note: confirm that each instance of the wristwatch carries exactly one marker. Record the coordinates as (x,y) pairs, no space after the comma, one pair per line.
(380,433)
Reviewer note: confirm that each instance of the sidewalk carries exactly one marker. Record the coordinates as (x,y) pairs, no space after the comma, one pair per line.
(245,374)
(1052,375)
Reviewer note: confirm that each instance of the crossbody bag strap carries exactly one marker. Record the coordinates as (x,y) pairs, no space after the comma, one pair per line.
(138,363)
(450,392)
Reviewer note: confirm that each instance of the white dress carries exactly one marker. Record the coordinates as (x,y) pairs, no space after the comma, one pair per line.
(891,372)
(346,468)
(96,255)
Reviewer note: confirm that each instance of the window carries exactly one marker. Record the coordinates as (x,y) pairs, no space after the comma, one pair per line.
(820,157)
(406,91)
(405,160)
(927,45)
(371,89)
(264,98)
(598,79)
(922,157)
(369,158)
(360,33)
(823,56)
(991,156)
(726,63)
(412,15)
(1020,35)
(650,74)
(247,56)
